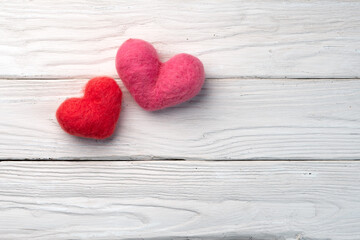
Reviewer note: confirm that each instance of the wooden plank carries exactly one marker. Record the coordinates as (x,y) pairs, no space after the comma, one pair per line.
(169,200)
(229,120)
(239,38)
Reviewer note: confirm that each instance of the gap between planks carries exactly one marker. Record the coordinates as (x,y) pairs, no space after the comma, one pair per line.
(88,77)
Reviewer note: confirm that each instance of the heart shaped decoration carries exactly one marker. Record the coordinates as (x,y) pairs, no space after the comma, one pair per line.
(95,115)
(156,85)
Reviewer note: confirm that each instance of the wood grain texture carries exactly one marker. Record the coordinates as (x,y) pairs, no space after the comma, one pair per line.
(180,200)
(229,120)
(267,38)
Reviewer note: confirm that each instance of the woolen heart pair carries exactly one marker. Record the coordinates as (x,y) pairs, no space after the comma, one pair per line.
(153,84)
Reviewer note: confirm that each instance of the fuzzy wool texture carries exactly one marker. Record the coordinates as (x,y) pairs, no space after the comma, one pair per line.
(95,114)
(156,85)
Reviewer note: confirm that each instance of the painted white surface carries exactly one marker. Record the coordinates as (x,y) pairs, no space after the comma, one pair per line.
(49,49)
(176,200)
(230,120)
(240,38)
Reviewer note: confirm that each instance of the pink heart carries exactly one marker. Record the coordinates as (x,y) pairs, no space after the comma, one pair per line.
(156,85)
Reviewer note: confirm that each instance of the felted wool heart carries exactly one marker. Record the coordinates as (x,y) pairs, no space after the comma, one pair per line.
(94,115)
(156,85)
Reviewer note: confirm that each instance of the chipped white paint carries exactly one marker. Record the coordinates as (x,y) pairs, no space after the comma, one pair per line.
(258,38)
(230,119)
(176,200)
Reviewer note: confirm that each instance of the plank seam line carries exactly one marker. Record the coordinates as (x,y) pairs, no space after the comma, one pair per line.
(229,78)
(178,160)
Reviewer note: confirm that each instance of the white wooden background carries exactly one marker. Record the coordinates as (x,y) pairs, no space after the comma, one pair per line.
(281,101)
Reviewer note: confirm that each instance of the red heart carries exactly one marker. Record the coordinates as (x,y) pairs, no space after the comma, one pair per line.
(156,85)
(94,115)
